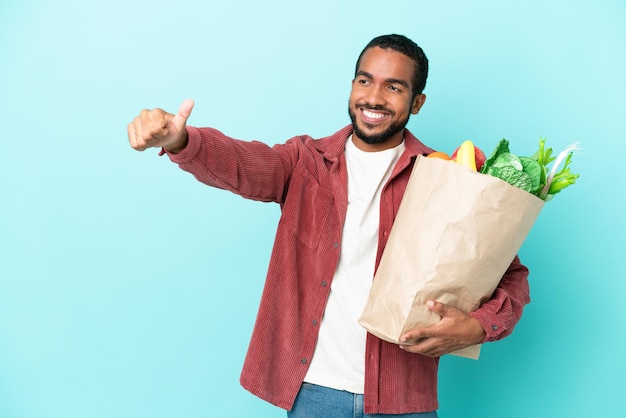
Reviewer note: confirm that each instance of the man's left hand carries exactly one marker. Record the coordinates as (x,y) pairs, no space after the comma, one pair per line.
(454,331)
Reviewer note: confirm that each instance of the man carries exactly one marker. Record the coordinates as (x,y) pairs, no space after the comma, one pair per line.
(339,196)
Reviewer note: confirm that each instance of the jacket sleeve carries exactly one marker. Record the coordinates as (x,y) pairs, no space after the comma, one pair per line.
(251,169)
(503,310)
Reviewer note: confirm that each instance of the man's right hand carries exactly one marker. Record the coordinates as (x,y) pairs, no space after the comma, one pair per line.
(157,128)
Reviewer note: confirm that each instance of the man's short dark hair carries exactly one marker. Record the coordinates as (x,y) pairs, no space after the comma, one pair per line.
(404,45)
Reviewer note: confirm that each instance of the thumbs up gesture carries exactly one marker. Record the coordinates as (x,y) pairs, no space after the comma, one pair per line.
(157,128)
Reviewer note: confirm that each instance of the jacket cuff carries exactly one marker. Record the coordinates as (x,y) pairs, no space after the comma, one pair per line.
(491,324)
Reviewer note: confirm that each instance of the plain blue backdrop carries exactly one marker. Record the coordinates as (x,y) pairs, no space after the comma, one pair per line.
(127,289)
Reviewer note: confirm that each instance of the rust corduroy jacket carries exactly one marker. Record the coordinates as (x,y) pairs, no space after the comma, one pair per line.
(307,177)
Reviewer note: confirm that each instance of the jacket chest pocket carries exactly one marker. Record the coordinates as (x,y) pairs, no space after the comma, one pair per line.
(307,208)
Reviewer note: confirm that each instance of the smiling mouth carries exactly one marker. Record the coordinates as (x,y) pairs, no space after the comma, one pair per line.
(373,116)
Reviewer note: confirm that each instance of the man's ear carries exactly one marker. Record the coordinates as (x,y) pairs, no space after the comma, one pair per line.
(418,102)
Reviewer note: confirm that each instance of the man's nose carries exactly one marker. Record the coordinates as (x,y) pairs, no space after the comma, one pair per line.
(376,96)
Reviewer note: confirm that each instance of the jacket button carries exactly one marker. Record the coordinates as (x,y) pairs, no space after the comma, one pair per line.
(303,361)
(494,327)
(324,284)
(336,245)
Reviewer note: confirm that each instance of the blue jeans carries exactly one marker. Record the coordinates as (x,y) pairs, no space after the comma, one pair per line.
(315,401)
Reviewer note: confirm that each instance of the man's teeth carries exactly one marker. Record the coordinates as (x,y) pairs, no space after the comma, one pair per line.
(373,115)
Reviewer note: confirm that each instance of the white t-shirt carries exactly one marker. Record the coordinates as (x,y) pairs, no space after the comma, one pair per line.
(339,358)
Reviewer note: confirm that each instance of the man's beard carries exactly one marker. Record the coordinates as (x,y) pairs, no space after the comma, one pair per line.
(381,137)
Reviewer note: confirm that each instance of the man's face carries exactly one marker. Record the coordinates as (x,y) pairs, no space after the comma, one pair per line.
(381,99)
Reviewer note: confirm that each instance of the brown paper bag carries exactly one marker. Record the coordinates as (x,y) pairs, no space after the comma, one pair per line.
(455,235)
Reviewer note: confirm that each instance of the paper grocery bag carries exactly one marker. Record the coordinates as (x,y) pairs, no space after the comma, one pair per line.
(455,234)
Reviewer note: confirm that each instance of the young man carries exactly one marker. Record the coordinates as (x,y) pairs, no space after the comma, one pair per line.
(339,196)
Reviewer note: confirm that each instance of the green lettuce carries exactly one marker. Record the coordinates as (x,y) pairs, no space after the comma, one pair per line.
(532,174)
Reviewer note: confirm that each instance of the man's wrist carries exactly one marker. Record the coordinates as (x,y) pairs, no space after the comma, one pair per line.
(179,145)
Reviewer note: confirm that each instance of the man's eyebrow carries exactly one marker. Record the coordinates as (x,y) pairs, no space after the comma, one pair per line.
(388,80)
(364,73)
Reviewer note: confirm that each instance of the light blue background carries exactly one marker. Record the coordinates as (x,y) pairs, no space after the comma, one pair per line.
(127,289)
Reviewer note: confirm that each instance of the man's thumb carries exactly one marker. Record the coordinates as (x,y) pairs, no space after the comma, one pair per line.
(184,110)
(437,307)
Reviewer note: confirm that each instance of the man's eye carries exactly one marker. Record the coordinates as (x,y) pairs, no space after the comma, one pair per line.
(395,88)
